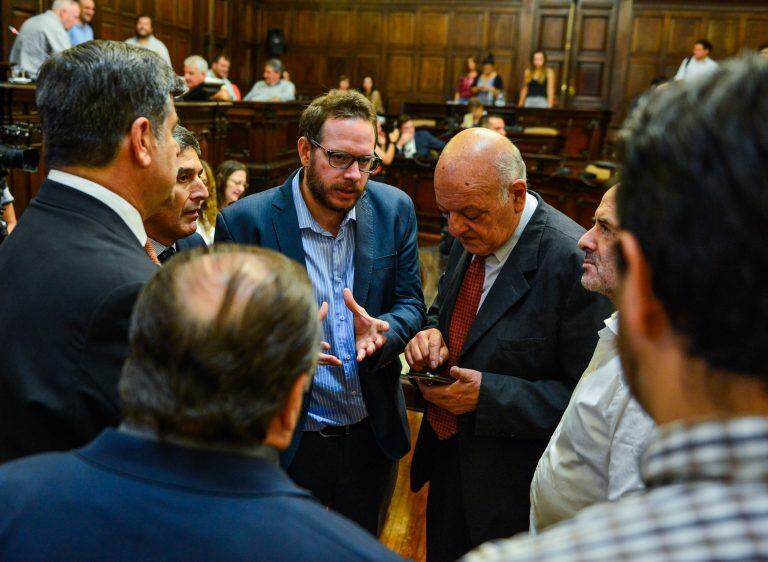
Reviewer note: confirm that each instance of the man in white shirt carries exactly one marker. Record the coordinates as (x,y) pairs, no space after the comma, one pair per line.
(145,38)
(177,219)
(79,257)
(273,87)
(594,454)
(699,64)
(44,34)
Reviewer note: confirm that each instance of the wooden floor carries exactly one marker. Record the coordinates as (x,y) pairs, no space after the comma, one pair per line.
(404,531)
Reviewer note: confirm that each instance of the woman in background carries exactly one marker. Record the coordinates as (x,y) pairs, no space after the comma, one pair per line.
(373,95)
(489,84)
(464,90)
(206,224)
(231,182)
(475,114)
(385,144)
(538,83)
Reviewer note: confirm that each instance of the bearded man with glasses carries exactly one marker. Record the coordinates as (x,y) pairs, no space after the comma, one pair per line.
(357,239)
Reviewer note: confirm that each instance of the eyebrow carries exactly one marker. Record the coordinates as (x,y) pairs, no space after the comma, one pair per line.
(605,222)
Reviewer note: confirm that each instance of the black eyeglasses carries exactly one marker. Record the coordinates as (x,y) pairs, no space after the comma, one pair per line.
(343,160)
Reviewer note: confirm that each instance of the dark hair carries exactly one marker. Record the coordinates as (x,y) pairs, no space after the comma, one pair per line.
(762,47)
(143,16)
(485,118)
(185,139)
(89,96)
(226,169)
(343,77)
(704,43)
(218,337)
(220,56)
(489,59)
(693,192)
(404,118)
(276,65)
(474,103)
(336,104)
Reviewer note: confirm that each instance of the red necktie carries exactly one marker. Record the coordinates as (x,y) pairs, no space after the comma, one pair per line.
(151,252)
(464,311)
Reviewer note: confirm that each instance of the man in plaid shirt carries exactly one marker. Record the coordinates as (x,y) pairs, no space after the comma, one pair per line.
(693,205)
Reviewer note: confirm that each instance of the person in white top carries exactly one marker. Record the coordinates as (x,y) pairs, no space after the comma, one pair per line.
(145,38)
(594,454)
(698,64)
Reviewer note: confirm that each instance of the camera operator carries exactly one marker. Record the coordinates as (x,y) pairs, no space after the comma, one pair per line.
(7,213)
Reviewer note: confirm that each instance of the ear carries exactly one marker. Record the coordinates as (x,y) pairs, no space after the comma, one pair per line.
(283,423)
(643,315)
(305,150)
(517,191)
(142,141)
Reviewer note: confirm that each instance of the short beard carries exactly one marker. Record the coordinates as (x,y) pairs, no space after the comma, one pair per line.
(320,192)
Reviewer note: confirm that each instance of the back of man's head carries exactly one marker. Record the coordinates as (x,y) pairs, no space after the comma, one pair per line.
(89,96)
(218,339)
(694,195)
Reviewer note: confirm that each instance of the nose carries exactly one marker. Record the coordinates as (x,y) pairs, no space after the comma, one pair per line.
(456,225)
(198,190)
(353,172)
(587,240)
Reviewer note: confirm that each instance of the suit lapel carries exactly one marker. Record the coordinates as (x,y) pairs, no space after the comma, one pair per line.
(364,250)
(285,222)
(511,284)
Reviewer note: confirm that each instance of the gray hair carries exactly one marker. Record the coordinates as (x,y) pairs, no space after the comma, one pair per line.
(276,64)
(510,167)
(89,96)
(198,61)
(186,139)
(59,4)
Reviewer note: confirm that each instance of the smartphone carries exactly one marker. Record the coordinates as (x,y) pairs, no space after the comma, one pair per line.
(430,378)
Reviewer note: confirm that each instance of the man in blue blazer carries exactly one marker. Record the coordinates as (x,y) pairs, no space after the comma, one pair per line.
(357,239)
(415,143)
(222,345)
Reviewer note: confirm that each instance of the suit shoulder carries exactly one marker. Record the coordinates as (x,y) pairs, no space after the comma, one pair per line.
(388,194)
(561,226)
(251,205)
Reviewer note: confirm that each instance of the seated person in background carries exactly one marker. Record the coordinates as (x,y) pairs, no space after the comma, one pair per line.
(412,143)
(594,454)
(286,76)
(494,123)
(220,70)
(173,227)
(487,85)
(464,89)
(223,344)
(231,182)
(206,224)
(763,50)
(195,71)
(82,30)
(145,38)
(698,64)
(538,83)
(343,82)
(272,88)
(693,335)
(475,115)
(373,95)
(44,34)
(385,145)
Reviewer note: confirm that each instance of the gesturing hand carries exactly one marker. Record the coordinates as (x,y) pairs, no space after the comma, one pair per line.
(326,358)
(369,332)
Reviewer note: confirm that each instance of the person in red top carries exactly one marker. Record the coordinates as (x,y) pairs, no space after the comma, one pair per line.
(464,91)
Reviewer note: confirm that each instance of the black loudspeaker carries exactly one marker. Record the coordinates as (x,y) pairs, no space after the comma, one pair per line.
(275,42)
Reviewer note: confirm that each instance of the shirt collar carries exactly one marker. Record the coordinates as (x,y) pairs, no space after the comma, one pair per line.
(306,220)
(612,323)
(127,212)
(160,248)
(502,253)
(732,450)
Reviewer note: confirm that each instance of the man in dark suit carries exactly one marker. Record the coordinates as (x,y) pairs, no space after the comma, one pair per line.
(77,260)
(515,328)
(169,228)
(222,346)
(355,234)
(414,143)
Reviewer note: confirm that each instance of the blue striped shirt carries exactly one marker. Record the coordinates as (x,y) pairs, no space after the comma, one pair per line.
(336,396)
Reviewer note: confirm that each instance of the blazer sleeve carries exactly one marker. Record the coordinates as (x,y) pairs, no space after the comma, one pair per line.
(408,313)
(513,406)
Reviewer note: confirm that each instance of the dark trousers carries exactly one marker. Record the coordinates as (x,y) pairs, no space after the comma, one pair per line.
(447,531)
(346,470)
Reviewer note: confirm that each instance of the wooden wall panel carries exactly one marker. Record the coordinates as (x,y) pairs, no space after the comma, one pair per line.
(468,29)
(433,31)
(401,29)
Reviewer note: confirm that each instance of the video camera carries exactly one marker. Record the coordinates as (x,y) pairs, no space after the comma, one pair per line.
(15,154)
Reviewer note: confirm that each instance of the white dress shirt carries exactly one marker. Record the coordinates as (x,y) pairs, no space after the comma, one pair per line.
(692,68)
(495,262)
(127,212)
(594,454)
